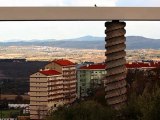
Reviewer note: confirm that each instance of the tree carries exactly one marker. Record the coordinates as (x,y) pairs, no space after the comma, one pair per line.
(19,99)
(132,110)
(149,104)
(88,110)
(4,104)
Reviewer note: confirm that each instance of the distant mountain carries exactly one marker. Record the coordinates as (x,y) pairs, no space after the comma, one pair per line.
(138,42)
(89,42)
(85,38)
(32,40)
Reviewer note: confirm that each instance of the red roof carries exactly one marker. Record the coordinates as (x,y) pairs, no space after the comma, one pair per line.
(94,66)
(132,65)
(50,72)
(141,65)
(63,62)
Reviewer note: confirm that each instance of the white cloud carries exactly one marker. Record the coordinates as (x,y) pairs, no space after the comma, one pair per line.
(49,29)
(30,2)
(61,30)
(57,2)
(148,29)
(139,3)
(71,29)
(92,2)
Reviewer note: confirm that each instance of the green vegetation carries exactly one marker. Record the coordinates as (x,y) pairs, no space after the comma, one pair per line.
(142,107)
(143,102)
(89,110)
(144,96)
(10,113)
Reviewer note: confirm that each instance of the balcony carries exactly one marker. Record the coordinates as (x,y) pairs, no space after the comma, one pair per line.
(38,89)
(55,99)
(38,98)
(58,91)
(55,80)
(32,103)
(55,89)
(55,95)
(55,85)
(38,84)
(36,94)
(69,75)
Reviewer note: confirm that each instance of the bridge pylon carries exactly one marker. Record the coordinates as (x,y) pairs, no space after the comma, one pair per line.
(115,83)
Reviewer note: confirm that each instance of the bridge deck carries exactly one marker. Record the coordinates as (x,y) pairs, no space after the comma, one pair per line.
(80,13)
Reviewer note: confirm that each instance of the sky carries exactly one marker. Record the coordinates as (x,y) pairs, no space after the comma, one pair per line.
(21,30)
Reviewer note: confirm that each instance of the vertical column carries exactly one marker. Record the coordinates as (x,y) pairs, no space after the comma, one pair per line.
(115,83)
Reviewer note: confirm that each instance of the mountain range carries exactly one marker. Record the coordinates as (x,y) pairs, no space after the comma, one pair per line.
(88,42)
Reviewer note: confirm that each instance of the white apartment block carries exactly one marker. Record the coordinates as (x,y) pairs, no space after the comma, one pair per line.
(52,87)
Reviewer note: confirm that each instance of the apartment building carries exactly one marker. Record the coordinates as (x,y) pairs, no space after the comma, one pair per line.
(90,77)
(52,87)
(68,70)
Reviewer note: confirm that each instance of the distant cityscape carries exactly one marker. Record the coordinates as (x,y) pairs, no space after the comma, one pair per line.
(45,53)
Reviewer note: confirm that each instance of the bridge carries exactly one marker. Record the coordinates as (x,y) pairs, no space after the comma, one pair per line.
(79,13)
(115,83)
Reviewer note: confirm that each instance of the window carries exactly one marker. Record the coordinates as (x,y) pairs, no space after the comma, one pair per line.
(55,105)
(82,80)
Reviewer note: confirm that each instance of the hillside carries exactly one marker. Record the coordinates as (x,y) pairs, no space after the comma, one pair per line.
(15,75)
(89,42)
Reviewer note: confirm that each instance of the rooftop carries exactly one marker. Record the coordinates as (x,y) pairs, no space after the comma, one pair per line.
(128,65)
(63,62)
(94,66)
(50,72)
(143,65)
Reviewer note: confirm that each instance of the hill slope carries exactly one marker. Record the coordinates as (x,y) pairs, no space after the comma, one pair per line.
(90,42)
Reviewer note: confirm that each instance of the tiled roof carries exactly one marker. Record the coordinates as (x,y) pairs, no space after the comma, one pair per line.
(132,65)
(63,62)
(94,66)
(142,65)
(50,72)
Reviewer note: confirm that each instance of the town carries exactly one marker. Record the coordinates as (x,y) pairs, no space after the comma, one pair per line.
(62,82)
(46,53)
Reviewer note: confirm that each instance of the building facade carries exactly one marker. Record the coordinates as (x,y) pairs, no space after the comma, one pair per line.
(90,77)
(68,70)
(52,87)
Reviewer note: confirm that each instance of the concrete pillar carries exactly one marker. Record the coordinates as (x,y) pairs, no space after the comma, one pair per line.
(115,83)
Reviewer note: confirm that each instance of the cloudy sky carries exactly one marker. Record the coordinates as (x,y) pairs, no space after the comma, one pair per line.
(61,30)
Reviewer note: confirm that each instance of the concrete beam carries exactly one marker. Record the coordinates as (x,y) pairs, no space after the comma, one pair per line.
(79,13)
